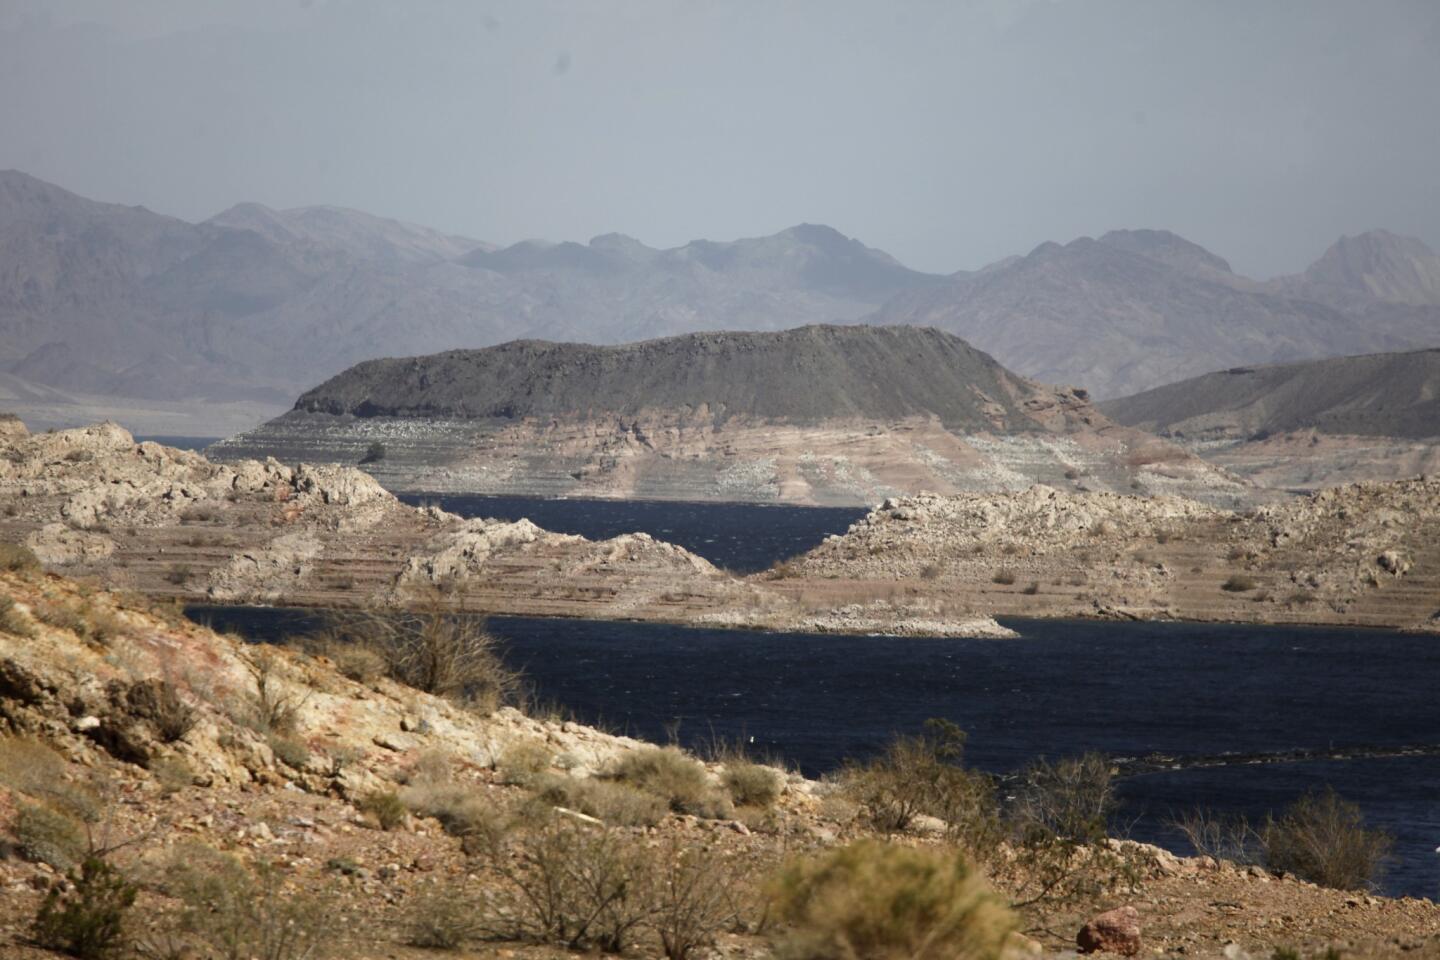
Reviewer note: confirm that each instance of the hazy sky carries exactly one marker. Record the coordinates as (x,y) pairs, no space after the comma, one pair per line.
(949,133)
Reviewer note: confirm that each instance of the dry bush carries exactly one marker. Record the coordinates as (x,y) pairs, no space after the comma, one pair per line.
(172,774)
(1072,797)
(696,896)
(751,784)
(461,811)
(434,651)
(384,807)
(245,915)
(199,514)
(289,750)
(680,780)
(430,767)
(44,835)
(1003,577)
(1323,838)
(85,916)
(922,775)
(63,615)
(1032,588)
(571,884)
(1239,583)
(14,621)
(880,901)
(17,558)
(443,920)
(272,709)
(179,574)
(931,571)
(524,760)
(1218,837)
(618,804)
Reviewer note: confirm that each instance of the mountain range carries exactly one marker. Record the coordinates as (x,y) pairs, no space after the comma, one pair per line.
(256,305)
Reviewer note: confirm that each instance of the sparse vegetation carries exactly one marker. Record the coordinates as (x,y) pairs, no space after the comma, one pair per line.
(1323,838)
(877,900)
(44,835)
(678,779)
(1239,583)
(1005,578)
(751,784)
(373,453)
(17,558)
(86,916)
(241,915)
(1031,588)
(14,621)
(384,807)
(443,920)
(179,574)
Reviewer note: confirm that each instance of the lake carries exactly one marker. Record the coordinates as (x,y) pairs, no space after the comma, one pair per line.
(1228,706)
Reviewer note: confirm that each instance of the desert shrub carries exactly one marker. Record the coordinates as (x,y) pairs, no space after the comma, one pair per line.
(1238,583)
(573,884)
(1031,588)
(199,514)
(289,750)
(384,807)
(695,898)
(618,804)
(878,901)
(1003,577)
(435,652)
(931,571)
(751,784)
(1072,798)
(87,920)
(678,779)
(524,760)
(18,558)
(172,774)
(44,835)
(374,453)
(271,708)
(178,574)
(1300,597)
(360,664)
(430,767)
(1323,838)
(63,615)
(242,915)
(461,811)
(159,703)
(922,774)
(1218,837)
(13,621)
(443,920)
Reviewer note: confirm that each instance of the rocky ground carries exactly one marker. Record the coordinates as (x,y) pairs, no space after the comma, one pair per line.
(1366,554)
(1307,460)
(92,685)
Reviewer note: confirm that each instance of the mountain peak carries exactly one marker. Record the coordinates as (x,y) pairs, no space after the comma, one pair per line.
(1169,248)
(1380,264)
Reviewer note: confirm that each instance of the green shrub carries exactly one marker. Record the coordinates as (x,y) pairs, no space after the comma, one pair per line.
(678,779)
(1239,583)
(922,775)
(43,835)
(17,558)
(879,901)
(1323,838)
(751,784)
(88,920)
(384,807)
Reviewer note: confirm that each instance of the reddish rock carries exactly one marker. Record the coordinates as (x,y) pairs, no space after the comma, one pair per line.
(1115,931)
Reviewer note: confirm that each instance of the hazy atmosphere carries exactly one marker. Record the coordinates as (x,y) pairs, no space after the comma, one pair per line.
(949,134)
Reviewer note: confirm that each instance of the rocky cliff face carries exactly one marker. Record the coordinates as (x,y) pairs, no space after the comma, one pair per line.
(819,415)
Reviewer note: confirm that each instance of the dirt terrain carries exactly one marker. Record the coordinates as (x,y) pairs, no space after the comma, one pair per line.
(91,684)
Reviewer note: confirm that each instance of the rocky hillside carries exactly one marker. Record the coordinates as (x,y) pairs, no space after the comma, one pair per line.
(1380,395)
(1378,265)
(1366,554)
(820,414)
(1137,309)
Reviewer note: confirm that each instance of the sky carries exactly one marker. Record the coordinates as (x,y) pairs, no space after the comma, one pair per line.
(949,133)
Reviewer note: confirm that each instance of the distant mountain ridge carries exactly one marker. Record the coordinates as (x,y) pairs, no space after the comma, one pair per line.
(1390,394)
(255,305)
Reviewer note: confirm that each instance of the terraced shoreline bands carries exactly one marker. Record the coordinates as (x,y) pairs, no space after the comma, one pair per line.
(174,525)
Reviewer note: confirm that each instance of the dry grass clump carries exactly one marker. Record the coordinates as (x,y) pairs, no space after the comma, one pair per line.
(524,761)
(443,920)
(13,620)
(385,808)
(461,811)
(1003,577)
(18,558)
(877,900)
(1239,583)
(616,803)
(751,784)
(434,651)
(678,779)
(45,835)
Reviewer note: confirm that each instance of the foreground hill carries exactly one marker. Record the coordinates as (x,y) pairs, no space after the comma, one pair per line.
(819,414)
(1137,309)
(1305,425)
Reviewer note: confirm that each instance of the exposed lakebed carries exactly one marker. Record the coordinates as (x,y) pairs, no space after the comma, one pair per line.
(1229,707)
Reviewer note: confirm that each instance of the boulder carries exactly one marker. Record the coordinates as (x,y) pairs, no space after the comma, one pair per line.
(1115,931)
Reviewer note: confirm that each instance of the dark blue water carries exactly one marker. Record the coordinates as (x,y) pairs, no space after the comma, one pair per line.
(742,537)
(1126,689)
